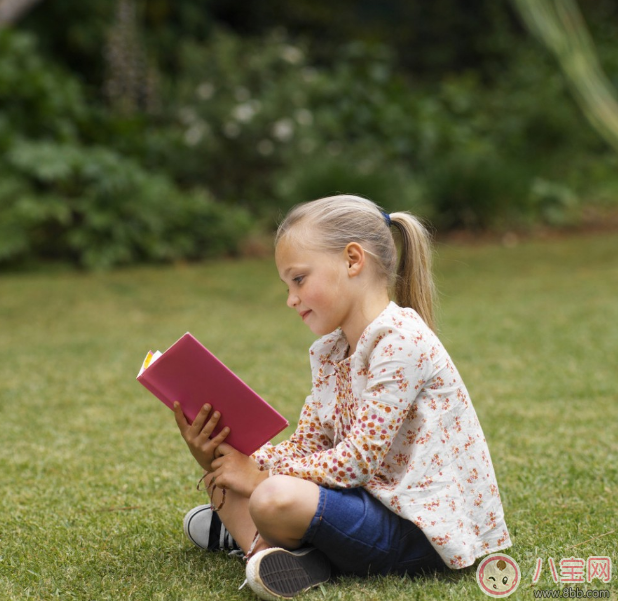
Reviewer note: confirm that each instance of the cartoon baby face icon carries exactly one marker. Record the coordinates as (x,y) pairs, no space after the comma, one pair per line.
(498,575)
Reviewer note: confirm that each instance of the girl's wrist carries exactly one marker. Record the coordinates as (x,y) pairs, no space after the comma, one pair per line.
(261,476)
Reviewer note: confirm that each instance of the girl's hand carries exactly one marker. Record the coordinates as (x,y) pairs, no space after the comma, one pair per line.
(197,434)
(236,471)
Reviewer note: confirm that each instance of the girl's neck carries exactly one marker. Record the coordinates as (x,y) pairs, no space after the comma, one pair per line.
(364,313)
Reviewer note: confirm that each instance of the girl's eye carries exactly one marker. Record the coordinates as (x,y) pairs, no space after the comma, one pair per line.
(298,279)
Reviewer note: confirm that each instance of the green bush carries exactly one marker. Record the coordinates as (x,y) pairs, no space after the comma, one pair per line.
(63,198)
(262,124)
(37,98)
(474,191)
(389,186)
(97,209)
(507,154)
(258,121)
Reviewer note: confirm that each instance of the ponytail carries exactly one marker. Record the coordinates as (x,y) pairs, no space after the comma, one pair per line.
(414,286)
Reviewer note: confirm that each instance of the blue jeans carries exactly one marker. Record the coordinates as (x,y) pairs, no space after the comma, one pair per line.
(361,536)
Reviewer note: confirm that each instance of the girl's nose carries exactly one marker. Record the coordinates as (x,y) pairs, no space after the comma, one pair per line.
(292,300)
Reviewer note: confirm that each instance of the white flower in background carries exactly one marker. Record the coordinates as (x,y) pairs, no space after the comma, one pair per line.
(231,130)
(194,135)
(292,55)
(283,130)
(205,90)
(245,112)
(242,94)
(265,147)
(304,117)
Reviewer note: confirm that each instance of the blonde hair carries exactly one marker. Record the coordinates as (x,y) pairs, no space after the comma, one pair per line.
(336,221)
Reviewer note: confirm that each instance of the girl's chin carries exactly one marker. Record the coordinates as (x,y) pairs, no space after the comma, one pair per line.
(319,331)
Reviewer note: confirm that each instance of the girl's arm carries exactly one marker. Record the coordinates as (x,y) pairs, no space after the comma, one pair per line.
(358,457)
(395,378)
(306,440)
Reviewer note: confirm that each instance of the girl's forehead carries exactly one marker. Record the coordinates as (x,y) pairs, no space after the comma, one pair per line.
(290,252)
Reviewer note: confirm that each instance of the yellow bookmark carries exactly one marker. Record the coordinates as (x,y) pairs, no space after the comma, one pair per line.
(147,360)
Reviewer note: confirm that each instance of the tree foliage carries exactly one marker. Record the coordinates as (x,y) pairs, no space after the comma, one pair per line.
(144,130)
(63,197)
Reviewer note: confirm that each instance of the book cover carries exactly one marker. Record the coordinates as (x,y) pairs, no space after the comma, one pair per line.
(189,373)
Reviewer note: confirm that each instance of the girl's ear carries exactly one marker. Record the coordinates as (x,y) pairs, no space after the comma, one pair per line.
(354,255)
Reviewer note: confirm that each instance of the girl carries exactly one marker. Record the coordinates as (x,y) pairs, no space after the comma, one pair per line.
(388,470)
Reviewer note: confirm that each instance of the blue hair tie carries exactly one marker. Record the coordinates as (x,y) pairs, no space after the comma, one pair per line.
(387,218)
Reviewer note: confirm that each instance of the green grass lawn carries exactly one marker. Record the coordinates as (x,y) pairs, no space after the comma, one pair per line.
(95,480)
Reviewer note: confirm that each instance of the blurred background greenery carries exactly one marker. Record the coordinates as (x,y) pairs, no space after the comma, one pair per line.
(158,130)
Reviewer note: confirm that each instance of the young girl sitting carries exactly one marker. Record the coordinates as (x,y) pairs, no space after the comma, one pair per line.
(388,470)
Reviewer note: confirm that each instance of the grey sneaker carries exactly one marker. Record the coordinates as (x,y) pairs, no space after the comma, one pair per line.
(275,573)
(204,529)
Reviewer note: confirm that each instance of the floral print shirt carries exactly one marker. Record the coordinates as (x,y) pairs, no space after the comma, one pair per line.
(395,417)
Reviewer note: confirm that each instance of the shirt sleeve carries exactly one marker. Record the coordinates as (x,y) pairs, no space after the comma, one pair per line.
(307,439)
(395,376)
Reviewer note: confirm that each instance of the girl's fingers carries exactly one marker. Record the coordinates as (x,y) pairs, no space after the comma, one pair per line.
(201,418)
(215,444)
(215,441)
(225,449)
(208,428)
(181,420)
(219,438)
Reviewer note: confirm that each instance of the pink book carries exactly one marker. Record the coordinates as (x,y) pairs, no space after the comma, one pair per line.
(189,373)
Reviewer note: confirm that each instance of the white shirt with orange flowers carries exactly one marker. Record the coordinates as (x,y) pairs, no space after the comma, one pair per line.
(395,417)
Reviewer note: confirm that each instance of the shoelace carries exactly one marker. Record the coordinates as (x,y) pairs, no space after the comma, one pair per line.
(249,554)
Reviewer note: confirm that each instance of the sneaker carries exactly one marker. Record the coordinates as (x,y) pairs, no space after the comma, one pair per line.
(275,573)
(204,529)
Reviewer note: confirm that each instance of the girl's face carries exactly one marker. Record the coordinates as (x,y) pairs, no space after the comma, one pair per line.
(318,286)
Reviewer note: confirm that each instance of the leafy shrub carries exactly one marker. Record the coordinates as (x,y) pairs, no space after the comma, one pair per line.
(554,203)
(37,98)
(66,199)
(261,123)
(97,209)
(474,191)
(255,114)
(505,155)
(389,186)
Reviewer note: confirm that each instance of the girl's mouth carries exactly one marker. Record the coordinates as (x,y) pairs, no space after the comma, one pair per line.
(304,314)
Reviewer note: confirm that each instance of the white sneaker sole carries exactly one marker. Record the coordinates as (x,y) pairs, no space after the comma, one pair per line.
(275,573)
